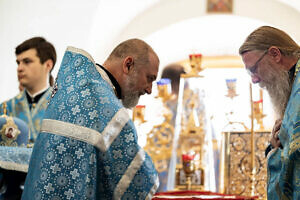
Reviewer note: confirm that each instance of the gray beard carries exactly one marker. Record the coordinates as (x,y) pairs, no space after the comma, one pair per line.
(130,98)
(277,83)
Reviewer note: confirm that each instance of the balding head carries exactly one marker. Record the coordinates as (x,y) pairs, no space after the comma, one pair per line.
(134,65)
(136,48)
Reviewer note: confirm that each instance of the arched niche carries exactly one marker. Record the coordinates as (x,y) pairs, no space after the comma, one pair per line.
(167,12)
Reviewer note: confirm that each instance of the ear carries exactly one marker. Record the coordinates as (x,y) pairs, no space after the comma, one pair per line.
(128,64)
(49,65)
(275,53)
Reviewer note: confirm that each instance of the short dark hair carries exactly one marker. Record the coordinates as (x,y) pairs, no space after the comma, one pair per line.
(45,50)
(173,72)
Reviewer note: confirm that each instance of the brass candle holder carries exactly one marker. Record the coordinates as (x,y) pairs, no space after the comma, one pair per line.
(139,113)
(195,60)
(231,86)
(258,113)
(189,168)
(164,89)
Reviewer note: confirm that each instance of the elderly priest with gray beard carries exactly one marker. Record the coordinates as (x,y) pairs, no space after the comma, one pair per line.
(272,59)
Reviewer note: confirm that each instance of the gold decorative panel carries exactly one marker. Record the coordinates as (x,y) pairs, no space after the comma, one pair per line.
(236,177)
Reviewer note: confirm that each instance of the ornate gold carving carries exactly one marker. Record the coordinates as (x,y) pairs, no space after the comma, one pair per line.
(237,163)
(9,132)
(4,107)
(238,143)
(159,143)
(194,67)
(160,138)
(191,141)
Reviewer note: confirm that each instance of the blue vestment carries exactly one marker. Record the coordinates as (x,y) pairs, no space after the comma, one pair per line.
(17,158)
(284,164)
(19,107)
(87,147)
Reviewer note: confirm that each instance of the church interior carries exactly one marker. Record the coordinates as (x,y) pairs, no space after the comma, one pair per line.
(214,142)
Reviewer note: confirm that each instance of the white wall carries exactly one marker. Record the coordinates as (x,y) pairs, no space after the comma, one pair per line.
(63,23)
(183,26)
(98,25)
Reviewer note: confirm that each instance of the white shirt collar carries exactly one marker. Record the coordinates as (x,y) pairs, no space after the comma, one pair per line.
(39,92)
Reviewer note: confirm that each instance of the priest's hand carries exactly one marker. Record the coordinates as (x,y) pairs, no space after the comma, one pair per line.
(275,142)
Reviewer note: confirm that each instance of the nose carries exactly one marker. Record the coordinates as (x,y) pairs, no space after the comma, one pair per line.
(255,78)
(20,67)
(149,89)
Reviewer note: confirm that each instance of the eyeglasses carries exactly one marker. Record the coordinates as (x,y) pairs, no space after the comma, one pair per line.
(252,70)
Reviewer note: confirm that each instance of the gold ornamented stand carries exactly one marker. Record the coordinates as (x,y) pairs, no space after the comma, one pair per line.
(243,163)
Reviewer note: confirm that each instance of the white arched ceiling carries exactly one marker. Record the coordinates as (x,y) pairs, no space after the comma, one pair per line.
(167,12)
(212,35)
(177,28)
(97,26)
